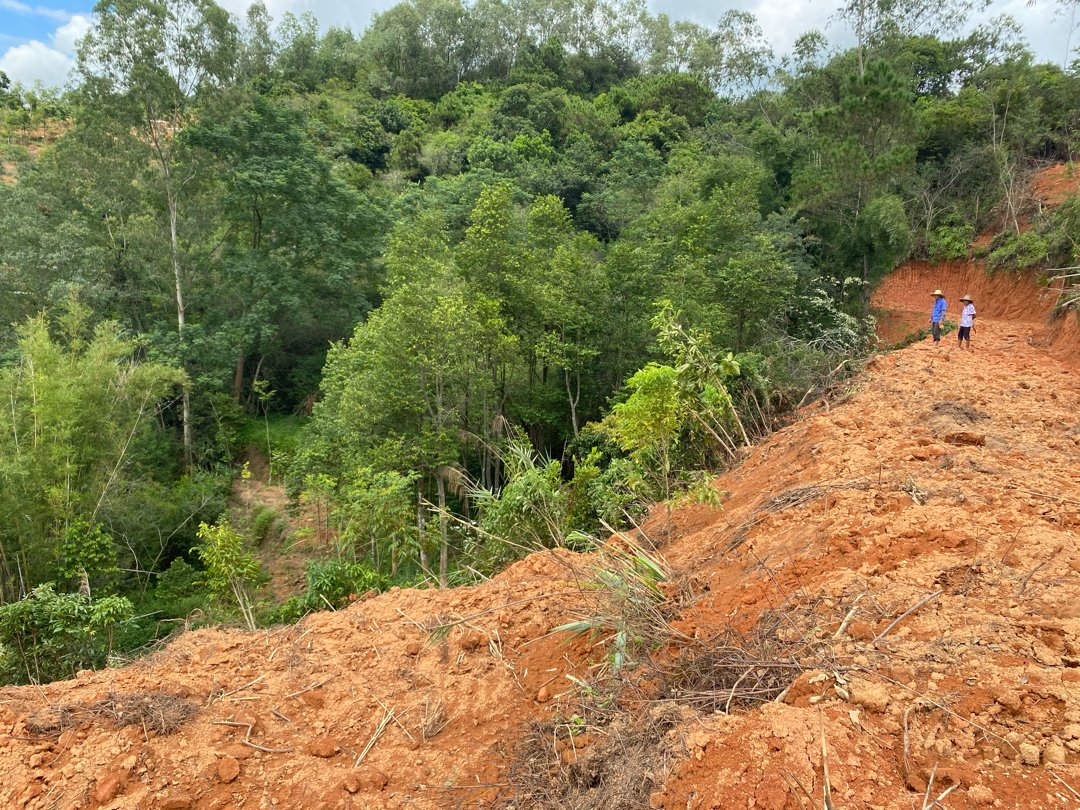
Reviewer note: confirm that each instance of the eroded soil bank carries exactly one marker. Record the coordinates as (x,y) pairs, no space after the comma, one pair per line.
(942,490)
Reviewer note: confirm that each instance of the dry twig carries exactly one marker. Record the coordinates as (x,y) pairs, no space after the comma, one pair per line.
(905,614)
(379,729)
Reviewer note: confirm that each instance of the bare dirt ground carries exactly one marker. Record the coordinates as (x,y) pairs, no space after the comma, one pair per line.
(946,475)
(295,538)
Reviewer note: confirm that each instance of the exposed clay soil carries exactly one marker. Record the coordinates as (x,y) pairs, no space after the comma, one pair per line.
(1055,184)
(944,472)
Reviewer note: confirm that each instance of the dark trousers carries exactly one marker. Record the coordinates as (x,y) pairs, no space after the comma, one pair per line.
(935,330)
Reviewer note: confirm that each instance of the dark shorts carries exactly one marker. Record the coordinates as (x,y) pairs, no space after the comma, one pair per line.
(964,334)
(935,330)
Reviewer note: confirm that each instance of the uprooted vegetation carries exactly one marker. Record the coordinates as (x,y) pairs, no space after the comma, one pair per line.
(157,712)
(611,742)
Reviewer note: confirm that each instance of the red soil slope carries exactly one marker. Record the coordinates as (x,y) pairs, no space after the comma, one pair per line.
(945,474)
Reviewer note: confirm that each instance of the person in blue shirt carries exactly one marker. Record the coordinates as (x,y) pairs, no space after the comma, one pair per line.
(937,317)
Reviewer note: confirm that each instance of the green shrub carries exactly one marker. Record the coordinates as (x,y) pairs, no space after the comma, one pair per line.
(947,327)
(1017,251)
(48,635)
(266,524)
(330,584)
(950,242)
(231,570)
(87,551)
(177,592)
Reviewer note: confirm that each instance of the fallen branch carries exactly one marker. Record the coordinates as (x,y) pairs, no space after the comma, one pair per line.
(1030,574)
(1066,784)
(905,614)
(307,689)
(397,722)
(247,737)
(927,802)
(850,615)
(826,788)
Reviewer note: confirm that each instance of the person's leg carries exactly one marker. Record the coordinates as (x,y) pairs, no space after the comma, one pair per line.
(935,330)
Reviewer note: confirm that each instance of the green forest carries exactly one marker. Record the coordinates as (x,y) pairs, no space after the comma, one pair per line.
(482,278)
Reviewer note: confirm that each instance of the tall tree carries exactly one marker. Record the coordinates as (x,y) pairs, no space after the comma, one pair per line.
(875,20)
(865,143)
(143,65)
(291,239)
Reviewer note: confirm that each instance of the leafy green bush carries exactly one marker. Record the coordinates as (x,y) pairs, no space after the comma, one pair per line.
(330,584)
(230,567)
(48,635)
(1016,251)
(87,551)
(156,522)
(266,524)
(177,592)
(950,242)
(376,515)
(532,509)
(947,327)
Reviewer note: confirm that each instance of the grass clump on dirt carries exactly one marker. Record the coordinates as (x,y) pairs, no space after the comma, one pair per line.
(608,744)
(625,600)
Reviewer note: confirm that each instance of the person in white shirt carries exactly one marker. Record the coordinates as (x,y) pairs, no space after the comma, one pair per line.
(967,322)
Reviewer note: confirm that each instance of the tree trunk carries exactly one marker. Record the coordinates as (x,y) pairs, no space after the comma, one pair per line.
(238,378)
(444,540)
(181,308)
(866,284)
(420,524)
(573,397)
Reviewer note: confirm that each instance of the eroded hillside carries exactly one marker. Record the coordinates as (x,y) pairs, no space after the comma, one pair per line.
(906,554)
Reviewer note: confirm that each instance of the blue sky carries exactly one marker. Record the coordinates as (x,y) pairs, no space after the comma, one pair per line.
(37,39)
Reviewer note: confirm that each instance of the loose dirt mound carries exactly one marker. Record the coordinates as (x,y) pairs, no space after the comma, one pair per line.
(948,485)
(406,700)
(910,556)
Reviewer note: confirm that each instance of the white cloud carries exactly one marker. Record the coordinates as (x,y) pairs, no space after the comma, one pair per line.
(784,21)
(36,61)
(67,36)
(18,7)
